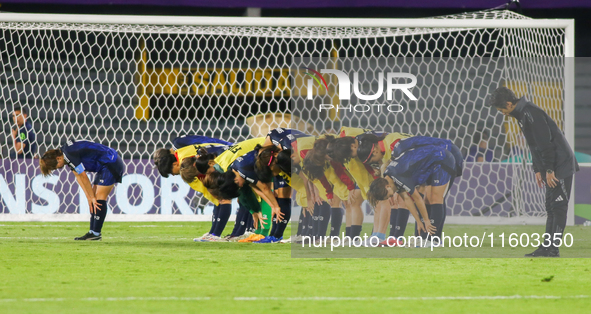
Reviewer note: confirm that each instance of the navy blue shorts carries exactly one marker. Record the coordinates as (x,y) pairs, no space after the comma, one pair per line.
(442,172)
(459,158)
(110,174)
(279,182)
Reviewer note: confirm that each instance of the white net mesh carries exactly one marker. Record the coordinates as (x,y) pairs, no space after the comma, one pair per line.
(136,87)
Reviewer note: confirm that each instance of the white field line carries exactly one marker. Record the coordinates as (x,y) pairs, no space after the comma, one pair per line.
(491,297)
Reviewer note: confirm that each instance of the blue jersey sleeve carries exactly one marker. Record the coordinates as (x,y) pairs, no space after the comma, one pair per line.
(72,157)
(402,182)
(245,167)
(283,138)
(419,141)
(187,140)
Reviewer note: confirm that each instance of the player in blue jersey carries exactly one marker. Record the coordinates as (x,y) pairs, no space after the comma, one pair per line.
(274,163)
(425,165)
(82,157)
(435,207)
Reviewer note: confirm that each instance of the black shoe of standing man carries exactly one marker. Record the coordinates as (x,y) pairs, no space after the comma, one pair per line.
(88,237)
(544,252)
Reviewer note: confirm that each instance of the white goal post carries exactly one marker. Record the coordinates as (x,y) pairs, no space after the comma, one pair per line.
(113,79)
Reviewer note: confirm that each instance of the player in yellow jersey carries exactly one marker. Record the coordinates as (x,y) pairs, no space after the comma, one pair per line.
(355,149)
(168,162)
(196,170)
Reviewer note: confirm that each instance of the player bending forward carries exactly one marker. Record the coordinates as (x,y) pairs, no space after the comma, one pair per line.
(82,157)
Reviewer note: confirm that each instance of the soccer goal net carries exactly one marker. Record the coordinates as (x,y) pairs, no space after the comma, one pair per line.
(134,83)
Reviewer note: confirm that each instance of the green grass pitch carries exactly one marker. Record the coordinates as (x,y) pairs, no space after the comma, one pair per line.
(157,268)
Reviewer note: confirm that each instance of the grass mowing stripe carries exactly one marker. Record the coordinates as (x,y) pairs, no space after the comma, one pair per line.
(484,297)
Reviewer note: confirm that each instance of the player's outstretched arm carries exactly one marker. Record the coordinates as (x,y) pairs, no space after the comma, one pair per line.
(84,183)
(410,205)
(418,200)
(265,193)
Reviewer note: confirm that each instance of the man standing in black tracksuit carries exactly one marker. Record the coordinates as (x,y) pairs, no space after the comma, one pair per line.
(553,161)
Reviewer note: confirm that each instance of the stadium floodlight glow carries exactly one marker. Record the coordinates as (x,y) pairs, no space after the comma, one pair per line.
(111,78)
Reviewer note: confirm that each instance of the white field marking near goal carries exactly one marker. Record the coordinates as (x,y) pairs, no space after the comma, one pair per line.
(468,298)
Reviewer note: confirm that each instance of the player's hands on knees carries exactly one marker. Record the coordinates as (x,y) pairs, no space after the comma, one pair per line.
(551,180)
(430,228)
(393,201)
(352,197)
(539,180)
(310,210)
(420,227)
(258,219)
(310,202)
(318,200)
(277,213)
(93,206)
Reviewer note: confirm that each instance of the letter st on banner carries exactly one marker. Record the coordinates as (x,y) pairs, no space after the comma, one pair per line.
(23,190)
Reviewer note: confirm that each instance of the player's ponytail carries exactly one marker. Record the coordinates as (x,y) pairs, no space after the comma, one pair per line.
(265,160)
(377,191)
(315,161)
(312,167)
(202,161)
(163,160)
(48,162)
(340,149)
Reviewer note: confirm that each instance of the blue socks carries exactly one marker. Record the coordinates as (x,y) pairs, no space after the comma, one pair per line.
(222,219)
(214,216)
(401,222)
(336,220)
(241,221)
(324,219)
(98,218)
(280,225)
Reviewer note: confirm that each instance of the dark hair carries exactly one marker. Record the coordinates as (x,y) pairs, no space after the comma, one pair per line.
(210,182)
(188,171)
(284,161)
(202,162)
(227,188)
(377,191)
(23,110)
(48,162)
(501,96)
(340,149)
(315,161)
(366,145)
(163,160)
(264,159)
